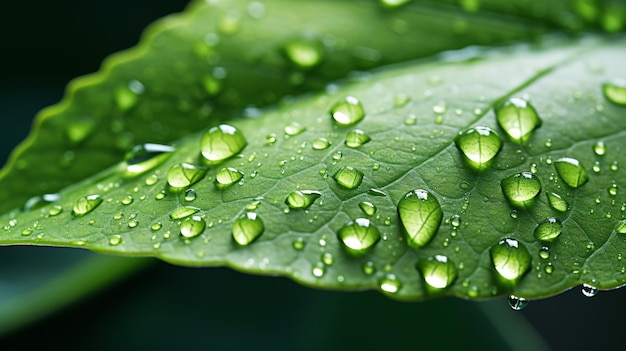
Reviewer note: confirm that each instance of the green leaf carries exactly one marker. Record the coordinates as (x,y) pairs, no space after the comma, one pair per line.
(412,147)
(216,59)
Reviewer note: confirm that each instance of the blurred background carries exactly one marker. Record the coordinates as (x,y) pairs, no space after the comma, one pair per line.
(44,45)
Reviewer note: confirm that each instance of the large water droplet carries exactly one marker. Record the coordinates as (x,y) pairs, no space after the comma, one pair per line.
(548,229)
(393,3)
(510,259)
(183,212)
(479,145)
(571,171)
(517,303)
(438,271)
(420,215)
(389,283)
(294,128)
(36,202)
(521,188)
(557,202)
(358,236)
(86,204)
(589,291)
(302,198)
(304,53)
(615,91)
(368,208)
(192,227)
(247,228)
(184,174)
(145,157)
(347,111)
(226,177)
(518,118)
(348,177)
(115,240)
(356,138)
(221,142)
(320,144)
(599,148)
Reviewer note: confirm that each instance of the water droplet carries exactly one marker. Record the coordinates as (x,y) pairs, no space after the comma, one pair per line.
(127,200)
(613,189)
(548,229)
(479,145)
(549,268)
(571,171)
(589,291)
(358,236)
(190,195)
(115,240)
(294,128)
(517,303)
(401,100)
(368,208)
(55,210)
(599,148)
(410,120)
(182,212)
(145,157)
(615,91)
(182,175)
(614,166)
(133,223)
(36,202)
(389,283)
(518,118)
(319,269)
(557,202)
(27,231)
(227,176)
(221,142)
(620,227)
(328,258)
(304,53)
(247,228)
(156,226)
(521,188)
(126,97)
(544,252)
(86,204)
(438,271)
(347,111)
(420,215)
(510,259)
(356,138)
(348,177)
(368,268)
(320,144)
(455,221)
(376,192)
(302,198)
(160,195)
(298,244)
(192,227)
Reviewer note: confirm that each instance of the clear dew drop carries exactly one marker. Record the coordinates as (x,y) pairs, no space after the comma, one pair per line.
(328,259)
(319,269)
(356,138)
(304,53)
(420,215)
(510,259)
(521,188)
(126,97)
(151,179)
(192,227)
(571,171)
(613,190)
(36,202)
(183,175)
(115,240)
(55,210)
(599,148)
(348,177)
(302,198)
(620,227)
(293,129)
(557,202)
(368,208)
(438,271)
(410,120)
(518,118)
(389,283)
(320,144)
(544,252)
(183,212)
(358,236)
(517,303)
(127,200)
(221,142)
(156,226)
(393,3)
(247,228)
(479,145)
(190,195)
(548,230)
(145,157)
(227,176)
(589,291)
(401,100)
(298,244)
(348,111)
(86,204)
(27,231)
(615,91)
(368,268)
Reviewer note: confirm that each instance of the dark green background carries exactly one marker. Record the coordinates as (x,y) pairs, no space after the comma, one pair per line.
(44,45)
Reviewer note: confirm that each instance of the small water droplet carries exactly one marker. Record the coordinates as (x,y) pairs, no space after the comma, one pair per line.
(348,177)
(368,208)
(589,291)
(571,171)
(55,210)
(319,269)
(544,252)
(479,146)
(226,177)
(517,303)
(294,128)
(221,142)
(518,118)
(599,148)
(133,223)
(393,3)
(510,259)
(304,53)
(156,226)
(320,144)
(521,188)
(247,228)
(358,236)
(302,198)
(368,268)
(347,111)
(182,175)
(152,179)
(410,120)
(614,166)
(620,227)
(356,138)
(145,157)
(183,212)
(298,244)
(557,202)
(401,100)
(192,227)
(438,271)
(126,97)
(160,195)
(190,195)
(548,229)
(420,215)
(328,258)
(27,231)
(115,240)
(376,192)
(389,283)
(615,91)
(86,204)
(127,200)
